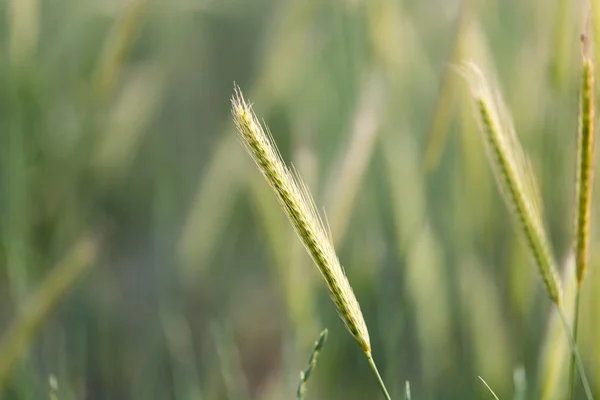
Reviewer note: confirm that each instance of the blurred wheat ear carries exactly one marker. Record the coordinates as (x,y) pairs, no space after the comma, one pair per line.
(517,184)
(585,164)
(583,184)
(24,25)
(297,203)
(116,48)
(514,177)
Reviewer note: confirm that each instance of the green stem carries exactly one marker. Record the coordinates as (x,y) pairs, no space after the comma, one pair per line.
(379,380)
(575,330)
(575,352)
(489,388)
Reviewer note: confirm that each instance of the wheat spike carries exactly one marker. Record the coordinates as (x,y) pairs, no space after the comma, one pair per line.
(299,206)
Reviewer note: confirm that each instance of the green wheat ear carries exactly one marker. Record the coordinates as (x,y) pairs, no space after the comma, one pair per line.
(299,206)
(296,201)
(514,176)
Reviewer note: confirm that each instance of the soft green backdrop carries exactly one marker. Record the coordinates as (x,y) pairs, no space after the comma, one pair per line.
(115,123)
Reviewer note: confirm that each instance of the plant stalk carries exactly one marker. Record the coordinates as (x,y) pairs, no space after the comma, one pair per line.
(379,380)
(575,352)
(575,331)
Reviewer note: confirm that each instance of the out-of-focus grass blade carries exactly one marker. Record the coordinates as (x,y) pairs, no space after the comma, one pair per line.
(116,48)
(24,23)
(407,391)
(289,45)
(408,193)
(231,366)
(128,119)
(25,326)
(345,180)
(416,241)
(520,382)
(212,206)
(483,316)
(563,42)
(53,384)
(443,112)
(179,340)
(17,202)
(387,24)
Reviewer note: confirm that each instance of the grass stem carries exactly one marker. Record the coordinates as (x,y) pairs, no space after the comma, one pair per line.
(489,388)
(379,380)
(575,330)
(575,353)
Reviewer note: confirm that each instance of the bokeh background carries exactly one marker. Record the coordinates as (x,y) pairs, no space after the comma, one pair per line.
(143,256)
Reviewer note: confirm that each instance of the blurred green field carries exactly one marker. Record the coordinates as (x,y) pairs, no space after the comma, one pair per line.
(144,257)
